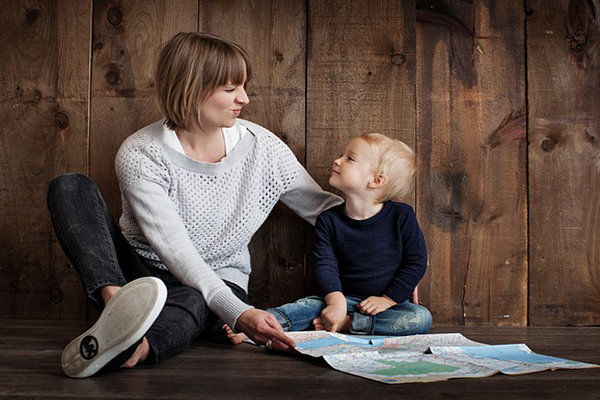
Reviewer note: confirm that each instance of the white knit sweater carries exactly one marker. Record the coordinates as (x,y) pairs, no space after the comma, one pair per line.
(196,219)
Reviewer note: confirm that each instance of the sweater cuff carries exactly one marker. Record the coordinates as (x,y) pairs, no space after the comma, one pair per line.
(228,307)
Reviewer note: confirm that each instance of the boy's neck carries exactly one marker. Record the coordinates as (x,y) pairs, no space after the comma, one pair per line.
(360,208)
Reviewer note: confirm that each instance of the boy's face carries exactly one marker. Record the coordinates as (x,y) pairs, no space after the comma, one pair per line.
(352,172)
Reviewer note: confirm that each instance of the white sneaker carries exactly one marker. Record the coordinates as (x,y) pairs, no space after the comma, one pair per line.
(124,321)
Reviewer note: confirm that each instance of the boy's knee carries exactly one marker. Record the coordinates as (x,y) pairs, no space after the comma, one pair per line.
(425,319)
(311,301)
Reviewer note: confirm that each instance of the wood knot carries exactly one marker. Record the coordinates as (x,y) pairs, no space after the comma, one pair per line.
(32,15)
(113,75)
(549,144)
(398,59)
(278,56)
(98,46)
(61,120)
(591,139)
(579,41)
(56,295)
(114,16)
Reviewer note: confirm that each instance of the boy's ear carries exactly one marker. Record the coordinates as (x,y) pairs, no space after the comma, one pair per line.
(378,181)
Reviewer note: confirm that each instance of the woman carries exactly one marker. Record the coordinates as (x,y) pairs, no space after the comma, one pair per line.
(195,187)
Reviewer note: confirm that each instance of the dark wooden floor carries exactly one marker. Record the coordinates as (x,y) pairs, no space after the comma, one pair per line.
(30,368)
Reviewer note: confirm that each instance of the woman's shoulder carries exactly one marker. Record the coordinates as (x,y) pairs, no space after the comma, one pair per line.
(260,132)
(268,141)
(141,154)
(148,134)
(254,128)
(138,142)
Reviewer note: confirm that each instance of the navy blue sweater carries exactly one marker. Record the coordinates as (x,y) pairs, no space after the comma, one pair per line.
(382,255)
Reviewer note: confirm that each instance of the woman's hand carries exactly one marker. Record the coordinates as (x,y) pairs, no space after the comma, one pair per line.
(375,304)
(260,326)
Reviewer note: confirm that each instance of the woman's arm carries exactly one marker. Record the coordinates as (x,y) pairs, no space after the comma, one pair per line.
(164,230)
(307,199)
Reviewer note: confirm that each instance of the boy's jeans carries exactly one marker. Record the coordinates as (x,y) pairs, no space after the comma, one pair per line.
(400,320)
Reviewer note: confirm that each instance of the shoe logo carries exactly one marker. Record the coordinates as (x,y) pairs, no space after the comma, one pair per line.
(88,347)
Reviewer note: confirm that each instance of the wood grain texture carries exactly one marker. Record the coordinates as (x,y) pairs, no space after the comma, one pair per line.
(126,39)
(472,197)
(564,82)
(44,61)
(30,368)
(452,85)
(273,33)
(361,67)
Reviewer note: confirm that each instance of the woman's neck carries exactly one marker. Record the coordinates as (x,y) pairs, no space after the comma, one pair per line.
(202,145)
(361,208)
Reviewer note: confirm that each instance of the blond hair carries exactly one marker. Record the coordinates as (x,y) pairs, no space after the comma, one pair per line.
(396,161)
(189,68)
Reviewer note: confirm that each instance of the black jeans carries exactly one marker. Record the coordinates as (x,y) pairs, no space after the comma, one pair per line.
(95,246)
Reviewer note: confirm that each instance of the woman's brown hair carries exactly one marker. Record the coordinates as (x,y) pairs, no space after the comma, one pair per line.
(190,67)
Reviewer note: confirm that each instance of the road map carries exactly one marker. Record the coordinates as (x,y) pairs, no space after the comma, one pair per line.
(423,358)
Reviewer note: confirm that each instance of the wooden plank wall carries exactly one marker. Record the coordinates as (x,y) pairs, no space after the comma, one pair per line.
(500,100)
(563,68)
(472,185)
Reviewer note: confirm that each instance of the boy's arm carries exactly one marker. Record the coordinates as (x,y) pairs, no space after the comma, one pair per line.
(414,260)
(334,314)
(327,276)
(326,272)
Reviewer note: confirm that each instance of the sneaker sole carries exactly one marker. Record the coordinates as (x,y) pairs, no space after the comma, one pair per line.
(125,320)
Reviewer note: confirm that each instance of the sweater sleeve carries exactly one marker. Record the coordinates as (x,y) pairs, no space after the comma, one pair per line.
(326,272)
(306,198)
(145,191)
(301,193)
(414,259)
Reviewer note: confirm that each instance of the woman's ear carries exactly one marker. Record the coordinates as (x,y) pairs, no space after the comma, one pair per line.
(378,181)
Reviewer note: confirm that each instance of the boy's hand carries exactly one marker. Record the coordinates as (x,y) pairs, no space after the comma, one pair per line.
(375,304)
(333,317)
(415,296)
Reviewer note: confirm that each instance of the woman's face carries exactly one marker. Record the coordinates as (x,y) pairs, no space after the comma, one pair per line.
(220,109)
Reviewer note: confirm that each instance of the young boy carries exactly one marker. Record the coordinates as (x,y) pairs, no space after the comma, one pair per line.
(369,252)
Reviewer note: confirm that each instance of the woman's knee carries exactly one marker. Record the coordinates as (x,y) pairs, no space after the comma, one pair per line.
(69,183)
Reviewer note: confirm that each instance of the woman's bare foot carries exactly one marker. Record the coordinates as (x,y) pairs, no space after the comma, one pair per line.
(344,327)
(234,338)
(140,354)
